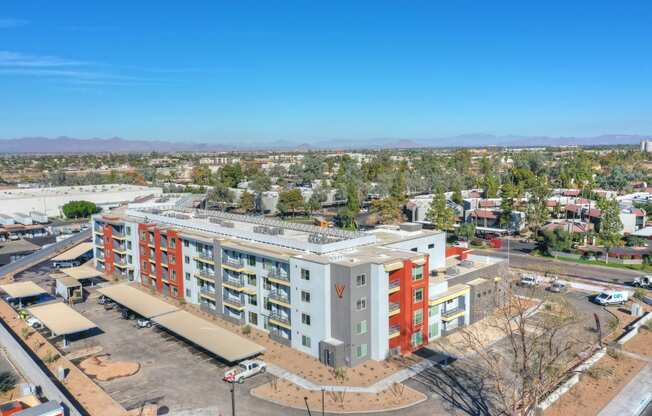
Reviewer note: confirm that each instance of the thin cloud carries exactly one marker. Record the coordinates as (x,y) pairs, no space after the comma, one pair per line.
(8,23)
(71,71)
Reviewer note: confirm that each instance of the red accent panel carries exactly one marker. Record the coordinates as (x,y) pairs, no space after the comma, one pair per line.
(408,307)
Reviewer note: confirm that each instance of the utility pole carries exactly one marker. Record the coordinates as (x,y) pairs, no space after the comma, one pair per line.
(305,399)
(233,398)
(323,391)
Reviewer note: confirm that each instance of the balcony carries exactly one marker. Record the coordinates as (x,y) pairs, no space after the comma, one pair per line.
(394,331)
(233,283)
(205,257)
(206,275)
(394,308)
(118,235)
(204,291)
(233,262)
(279,276)
(235,303)
(394,286)
(279,298)
(120,248)
(451,314)
(280,320)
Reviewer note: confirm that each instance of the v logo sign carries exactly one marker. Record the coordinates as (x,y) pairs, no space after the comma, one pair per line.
(339,289)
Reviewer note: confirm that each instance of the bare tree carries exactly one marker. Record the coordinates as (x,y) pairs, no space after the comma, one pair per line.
(538,348)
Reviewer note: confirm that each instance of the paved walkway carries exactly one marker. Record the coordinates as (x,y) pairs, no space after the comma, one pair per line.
(633,398)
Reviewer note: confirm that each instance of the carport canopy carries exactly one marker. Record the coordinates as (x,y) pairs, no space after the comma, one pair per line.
(81,272)
(61,319)
(20,290)
(213,338)
(74,252)
(143,304)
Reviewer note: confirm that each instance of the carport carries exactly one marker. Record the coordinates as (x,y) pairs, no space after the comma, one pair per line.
(213,338)
(22,290)
(85,274)
(145,305)
(73,257)
(61,319)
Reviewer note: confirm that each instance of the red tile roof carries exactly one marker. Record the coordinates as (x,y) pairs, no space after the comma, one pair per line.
(483,213)
(571,192)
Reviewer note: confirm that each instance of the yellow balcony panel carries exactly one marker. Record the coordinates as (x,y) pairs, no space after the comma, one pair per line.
(279,323)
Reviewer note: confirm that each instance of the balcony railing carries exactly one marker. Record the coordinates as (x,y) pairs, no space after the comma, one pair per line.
(205,255)
(229,261)
(451,312)
(278,274)
(394,306)
(279,296)
(394,284)
(278,317)
(394,329)
(234,282)
(229,300)
(118,234)
(207,291)
(206,274)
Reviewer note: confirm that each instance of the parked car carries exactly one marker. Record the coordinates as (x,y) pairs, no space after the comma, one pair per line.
(144,323)
(643,281)
(127,314)
(246,369)
(529,280)
(611,297)
(34,323)
(558,287)
(103,300)
(108,306)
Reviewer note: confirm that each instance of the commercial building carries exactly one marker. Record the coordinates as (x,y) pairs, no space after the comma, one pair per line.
(343,297)
(48,201)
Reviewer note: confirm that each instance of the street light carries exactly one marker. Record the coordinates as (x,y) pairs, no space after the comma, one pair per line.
(232,398)
(305,399)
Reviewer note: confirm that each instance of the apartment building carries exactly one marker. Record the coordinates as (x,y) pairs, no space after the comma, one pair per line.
(343,297)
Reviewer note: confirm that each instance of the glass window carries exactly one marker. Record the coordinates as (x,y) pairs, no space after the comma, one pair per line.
(431,245)
(361,350)
(253,318)
(415,249)
(361,304)
(417,339)
(417,295)
(361,327)
(251,279)
(253,300)
(305,296)
(252,260)
(173,242)
(361,280)
(433,310)
(305,274)
(187,276)
(305,319)
(305,341)
(188,293)
(417,318)
(186,260)
(186,243)
(417,273)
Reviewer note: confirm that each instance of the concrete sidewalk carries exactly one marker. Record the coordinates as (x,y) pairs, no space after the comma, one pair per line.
(633,398)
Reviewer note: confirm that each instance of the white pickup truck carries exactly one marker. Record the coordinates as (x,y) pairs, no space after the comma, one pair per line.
(246,369)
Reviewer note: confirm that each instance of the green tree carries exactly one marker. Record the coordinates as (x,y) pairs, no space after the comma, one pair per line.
(555,240)
(221,195)
(314,202)
(491,186)
(467,231)
(247,201)
(507,194)
(231,175)
(260,182)
(537,208)
(440,214)
(200,175)
(388,209)
(457,196)
(610,224)
(79,209)
(290,201)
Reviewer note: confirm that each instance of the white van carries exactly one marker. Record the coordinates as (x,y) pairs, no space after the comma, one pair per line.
(610,297)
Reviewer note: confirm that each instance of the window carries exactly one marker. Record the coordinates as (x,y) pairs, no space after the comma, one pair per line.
(361,280)
(173,259)
(252,260)
(251,279)
(305,341)
(415,249)
(188,293)
(145,265)
(361,350)
(361,327)
(431,245)
(129,245)
(253,318)
(175,292)
(186,243)
(128,230)
(305,319)
(417,295)
(305,296)
(305,274)
(186,260)
(173,276)
(187,276)
(361,304)
(433,310)
(417,273)
(417,318)
(253,300)
(417,339)
(173,242)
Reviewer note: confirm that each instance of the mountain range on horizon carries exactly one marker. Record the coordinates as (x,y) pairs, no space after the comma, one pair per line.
(39,145)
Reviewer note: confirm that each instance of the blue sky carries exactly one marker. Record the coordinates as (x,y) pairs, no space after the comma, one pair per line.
(263,71)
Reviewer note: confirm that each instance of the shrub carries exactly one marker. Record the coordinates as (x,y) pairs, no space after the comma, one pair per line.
(8,381)
(614,353)
(50,357)
(246,330)
(598,372)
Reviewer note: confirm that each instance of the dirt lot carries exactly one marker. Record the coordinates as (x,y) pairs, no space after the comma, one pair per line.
(288,394)
(641,343)
(591,394)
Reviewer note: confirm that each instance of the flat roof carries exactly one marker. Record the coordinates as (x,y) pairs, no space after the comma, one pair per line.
(17,246)
(22,289)
(145,305)
(211,337)
(61,319)
(68,281)
(81,272)
(74,252)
